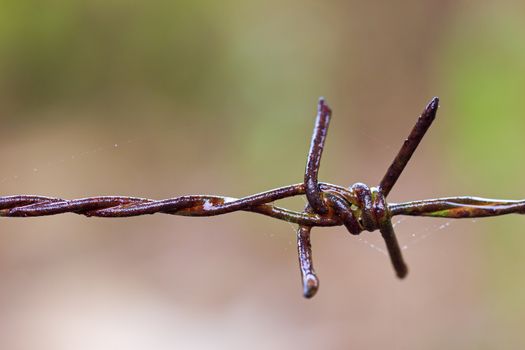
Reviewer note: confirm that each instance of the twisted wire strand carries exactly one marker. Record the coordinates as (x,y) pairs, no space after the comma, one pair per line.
(357,208)
(193,205)
(207,205)
(204,205)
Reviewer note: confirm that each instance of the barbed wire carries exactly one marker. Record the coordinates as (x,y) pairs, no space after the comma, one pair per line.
(358,207)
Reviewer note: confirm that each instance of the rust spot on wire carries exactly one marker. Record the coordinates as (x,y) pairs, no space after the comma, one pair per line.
(358,207)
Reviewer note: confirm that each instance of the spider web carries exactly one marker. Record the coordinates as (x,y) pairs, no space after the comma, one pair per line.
(51,165)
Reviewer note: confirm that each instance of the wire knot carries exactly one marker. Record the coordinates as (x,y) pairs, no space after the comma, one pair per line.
(361,208)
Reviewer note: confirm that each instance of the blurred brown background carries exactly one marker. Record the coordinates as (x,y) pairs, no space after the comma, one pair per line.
(159,99)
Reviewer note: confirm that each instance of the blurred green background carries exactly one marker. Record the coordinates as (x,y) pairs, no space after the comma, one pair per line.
(165,98)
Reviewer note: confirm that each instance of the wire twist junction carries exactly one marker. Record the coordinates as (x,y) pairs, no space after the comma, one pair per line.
(358,207)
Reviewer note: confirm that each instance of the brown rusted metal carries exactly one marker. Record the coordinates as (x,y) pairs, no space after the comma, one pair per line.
(358,207)
(306,265)
(313,192)
(409,147)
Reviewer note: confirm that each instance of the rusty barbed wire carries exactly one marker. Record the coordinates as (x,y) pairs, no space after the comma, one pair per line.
(358,207)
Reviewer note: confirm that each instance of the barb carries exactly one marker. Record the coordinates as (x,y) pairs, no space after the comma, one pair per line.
(304,251)
(358,207)
(313,192)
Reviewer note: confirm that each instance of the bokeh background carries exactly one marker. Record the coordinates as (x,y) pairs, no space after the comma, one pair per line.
(165,98)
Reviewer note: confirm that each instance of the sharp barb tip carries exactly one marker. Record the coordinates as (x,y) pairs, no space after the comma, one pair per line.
(311,285)
(433,104)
